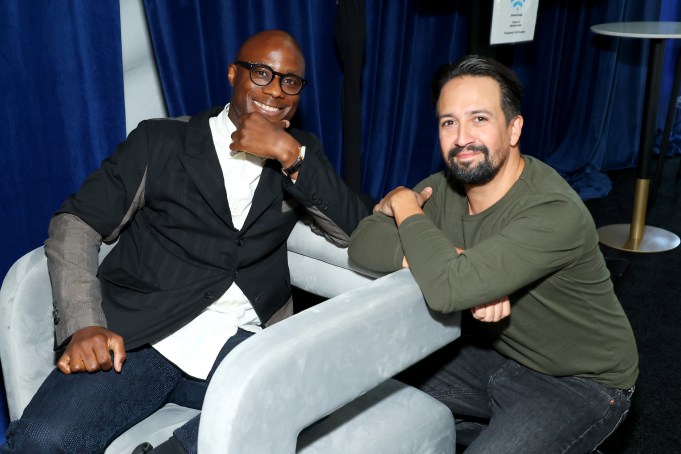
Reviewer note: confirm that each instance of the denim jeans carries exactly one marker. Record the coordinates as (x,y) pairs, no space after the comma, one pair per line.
(501,406)
(82,413)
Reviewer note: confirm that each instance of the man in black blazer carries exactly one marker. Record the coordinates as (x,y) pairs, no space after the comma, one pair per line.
(201,211)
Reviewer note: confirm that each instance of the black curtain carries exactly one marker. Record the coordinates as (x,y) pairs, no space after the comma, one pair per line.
(350,33)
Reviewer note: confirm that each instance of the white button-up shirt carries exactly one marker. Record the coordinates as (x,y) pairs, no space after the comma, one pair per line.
(194,347)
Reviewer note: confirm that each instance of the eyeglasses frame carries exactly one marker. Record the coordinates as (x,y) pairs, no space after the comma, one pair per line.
(250,66)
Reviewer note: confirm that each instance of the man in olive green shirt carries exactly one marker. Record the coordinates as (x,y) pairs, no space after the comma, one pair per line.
(548,360)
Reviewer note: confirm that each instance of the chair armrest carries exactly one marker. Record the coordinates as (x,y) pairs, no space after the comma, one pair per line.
(305,367)
(26,329)
(319,267)
(304,242)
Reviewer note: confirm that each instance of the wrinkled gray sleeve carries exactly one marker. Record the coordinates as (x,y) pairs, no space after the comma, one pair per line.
(72,250)
(72,260)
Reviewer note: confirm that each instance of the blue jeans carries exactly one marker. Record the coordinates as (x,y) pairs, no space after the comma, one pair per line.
(82,413)
(501,406)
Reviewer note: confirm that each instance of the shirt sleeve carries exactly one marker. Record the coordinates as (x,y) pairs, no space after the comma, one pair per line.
(335,209)
(540,239)
(376,243)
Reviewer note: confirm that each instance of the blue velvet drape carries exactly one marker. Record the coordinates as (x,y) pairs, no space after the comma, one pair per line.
(195,40)
(62,112)
(584,93)
(62,109)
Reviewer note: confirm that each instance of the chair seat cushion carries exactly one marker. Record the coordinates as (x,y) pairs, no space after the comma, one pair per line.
(408,420)
(392,418)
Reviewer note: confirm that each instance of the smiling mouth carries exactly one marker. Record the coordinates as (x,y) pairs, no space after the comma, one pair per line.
(265,107)
(467,152)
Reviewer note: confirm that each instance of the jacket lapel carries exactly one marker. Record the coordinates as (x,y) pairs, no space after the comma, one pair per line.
(269,189)
(200,160)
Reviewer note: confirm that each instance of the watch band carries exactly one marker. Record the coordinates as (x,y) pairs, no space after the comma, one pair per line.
(295,167)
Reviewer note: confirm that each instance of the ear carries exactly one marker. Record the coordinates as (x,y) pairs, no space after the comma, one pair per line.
(231,74)
(516,128)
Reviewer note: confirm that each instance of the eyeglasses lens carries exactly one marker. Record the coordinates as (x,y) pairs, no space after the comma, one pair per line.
(263,75)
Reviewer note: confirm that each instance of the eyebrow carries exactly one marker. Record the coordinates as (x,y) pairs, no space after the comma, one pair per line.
(279,72)
(469,113)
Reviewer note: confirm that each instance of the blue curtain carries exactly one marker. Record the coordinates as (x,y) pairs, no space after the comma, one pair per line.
(584,97)
(62,109)
(195,40)
(395,78)
(62,112)
(584,92)
(406,42)
(670,11)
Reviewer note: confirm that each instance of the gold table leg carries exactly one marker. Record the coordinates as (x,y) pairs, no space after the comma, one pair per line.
(638,237)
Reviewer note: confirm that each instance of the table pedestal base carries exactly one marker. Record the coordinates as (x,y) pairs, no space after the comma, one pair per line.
(653,240)
(638,237)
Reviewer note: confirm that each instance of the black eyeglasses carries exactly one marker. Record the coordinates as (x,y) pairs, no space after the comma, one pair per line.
(262,75)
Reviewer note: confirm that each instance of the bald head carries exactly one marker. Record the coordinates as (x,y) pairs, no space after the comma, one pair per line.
(272,39)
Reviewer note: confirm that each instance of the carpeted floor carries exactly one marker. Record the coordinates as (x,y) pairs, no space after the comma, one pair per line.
(650,292)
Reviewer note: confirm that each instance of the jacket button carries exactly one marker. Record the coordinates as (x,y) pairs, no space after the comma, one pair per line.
(258,298)
(209,295)
(56,320)
(236,274)
(239,241)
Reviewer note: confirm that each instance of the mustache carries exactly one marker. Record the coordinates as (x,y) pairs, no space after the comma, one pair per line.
(456,150)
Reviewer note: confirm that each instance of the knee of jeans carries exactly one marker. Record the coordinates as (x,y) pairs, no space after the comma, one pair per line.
(31,436)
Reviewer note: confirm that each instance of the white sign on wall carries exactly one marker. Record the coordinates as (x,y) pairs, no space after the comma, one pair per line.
(513,21)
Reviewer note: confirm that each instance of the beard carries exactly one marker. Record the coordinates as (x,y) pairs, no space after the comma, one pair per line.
(471,172)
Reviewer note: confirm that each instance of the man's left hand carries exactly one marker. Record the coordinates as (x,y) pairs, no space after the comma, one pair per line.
(492,312)
(256,135)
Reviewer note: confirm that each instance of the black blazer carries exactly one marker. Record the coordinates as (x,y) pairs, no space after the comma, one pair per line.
(178,250)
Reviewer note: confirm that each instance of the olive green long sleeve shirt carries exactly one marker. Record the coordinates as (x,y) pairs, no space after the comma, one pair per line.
(537,245)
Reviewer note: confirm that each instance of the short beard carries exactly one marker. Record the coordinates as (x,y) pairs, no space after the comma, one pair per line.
(470,173)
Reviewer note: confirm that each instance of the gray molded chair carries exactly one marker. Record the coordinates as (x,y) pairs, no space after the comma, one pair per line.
(318,382)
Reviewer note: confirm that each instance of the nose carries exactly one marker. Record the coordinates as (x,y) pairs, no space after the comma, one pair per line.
(274,87)
(462,138)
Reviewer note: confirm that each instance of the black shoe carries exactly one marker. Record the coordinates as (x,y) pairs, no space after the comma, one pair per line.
(144,448)
(170,446)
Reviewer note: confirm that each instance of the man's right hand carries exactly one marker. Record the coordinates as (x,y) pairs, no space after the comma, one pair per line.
(401,202)
(88,351)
